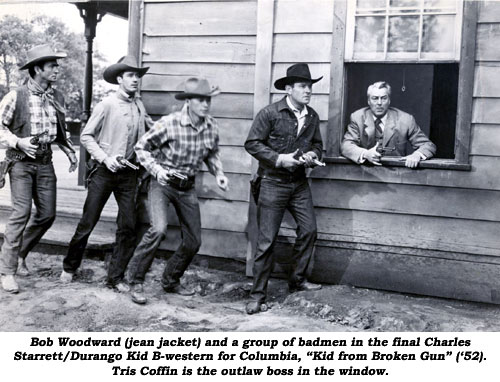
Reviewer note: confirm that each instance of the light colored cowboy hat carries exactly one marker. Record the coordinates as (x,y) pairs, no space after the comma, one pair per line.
(295,73)
(124,64)
(41,53)
(197,87)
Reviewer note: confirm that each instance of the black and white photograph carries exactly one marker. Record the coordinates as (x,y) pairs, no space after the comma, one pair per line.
(252,166)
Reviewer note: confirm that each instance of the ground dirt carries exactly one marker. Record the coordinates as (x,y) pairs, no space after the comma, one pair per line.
(45,304)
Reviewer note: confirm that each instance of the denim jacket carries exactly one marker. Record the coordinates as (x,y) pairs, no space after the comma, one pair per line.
(274,132)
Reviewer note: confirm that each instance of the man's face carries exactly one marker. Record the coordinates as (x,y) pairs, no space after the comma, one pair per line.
(49,71)
(199,106)
(129,82)
(379,102)
(300,92)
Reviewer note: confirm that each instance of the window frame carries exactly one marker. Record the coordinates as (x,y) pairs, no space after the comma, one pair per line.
(338,88)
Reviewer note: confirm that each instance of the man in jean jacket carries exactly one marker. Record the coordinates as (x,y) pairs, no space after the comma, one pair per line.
(285,138)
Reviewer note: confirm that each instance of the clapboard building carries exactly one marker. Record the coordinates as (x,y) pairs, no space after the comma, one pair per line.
(434,230)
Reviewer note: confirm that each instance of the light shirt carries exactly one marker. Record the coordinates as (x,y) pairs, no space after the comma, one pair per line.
(114,126)
(300,115)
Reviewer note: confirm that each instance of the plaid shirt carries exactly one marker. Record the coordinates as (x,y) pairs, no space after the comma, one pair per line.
(40,121)
(174,143)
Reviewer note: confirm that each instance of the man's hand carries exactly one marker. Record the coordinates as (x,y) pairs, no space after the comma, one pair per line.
(373,156)
(162,177)
(289,162)
(412,160)
(27,147)
(73,162)
(112,164)
(309,158)
(222,182)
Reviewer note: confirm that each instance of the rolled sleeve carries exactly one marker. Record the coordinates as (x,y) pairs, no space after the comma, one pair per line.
(7,109)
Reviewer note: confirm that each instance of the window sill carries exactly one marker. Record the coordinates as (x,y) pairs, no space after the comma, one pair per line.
(439,164)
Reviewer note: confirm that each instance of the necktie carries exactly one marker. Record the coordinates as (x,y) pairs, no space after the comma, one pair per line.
(379,134)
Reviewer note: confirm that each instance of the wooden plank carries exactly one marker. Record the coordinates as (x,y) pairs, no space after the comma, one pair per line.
(485,81)
(488,37)
(319,102)
(315,16)
(231,78)
(194,19)
(486,140)
(337,82)
(317,70)
(431,276)
(235,160)
(489,11)
(436,233)
(239,187)
(484,174)
(408,199)
(233,132)
(310,48)
(224,105)
(466,82)
(222,49)
(486,110)
(213,243)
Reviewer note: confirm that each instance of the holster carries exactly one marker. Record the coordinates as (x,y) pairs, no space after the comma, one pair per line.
(5,167)
(255,187)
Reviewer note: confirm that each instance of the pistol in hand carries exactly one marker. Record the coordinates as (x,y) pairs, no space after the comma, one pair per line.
(125,162)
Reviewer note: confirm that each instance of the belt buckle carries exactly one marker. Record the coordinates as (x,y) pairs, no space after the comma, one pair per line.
(43,146)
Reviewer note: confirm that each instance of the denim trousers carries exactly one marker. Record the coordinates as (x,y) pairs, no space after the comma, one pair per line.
(28,181)
(123,184)
(187,208)
(275,197)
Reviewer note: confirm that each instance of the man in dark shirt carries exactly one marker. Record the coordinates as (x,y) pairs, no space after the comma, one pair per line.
(285,138)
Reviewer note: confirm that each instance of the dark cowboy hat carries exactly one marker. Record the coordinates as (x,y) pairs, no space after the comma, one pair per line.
(197,87)
(124,64)
(295,73)
(41,53)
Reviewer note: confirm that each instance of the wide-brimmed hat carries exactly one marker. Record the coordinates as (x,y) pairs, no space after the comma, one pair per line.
(124,64)
(197,87)
(41,53)
(295,73)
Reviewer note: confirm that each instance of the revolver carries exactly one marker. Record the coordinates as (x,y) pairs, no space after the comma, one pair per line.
(299,155)
(35,140)
(125,162)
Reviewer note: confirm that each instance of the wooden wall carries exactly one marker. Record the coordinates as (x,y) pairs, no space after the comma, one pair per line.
(430,231)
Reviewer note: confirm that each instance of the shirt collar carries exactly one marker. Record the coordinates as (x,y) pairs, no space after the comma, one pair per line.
(383,119)
(302,113)
(124,96)
(186,119)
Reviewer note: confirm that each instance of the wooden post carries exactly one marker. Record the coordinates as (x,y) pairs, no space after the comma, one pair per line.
(262,96)
(134,28)
(91,16)
(337,88)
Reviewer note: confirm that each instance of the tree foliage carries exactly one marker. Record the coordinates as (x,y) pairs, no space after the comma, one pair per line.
(18,36)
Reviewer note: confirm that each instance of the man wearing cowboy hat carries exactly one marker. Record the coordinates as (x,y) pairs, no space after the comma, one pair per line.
(109,136)
(32,117)
(285,138)
(181,142)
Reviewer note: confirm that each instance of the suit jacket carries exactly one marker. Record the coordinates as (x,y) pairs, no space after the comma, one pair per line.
(400,129)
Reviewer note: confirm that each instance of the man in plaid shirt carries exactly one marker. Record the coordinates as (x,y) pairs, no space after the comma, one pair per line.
(34,109)
(172,152)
